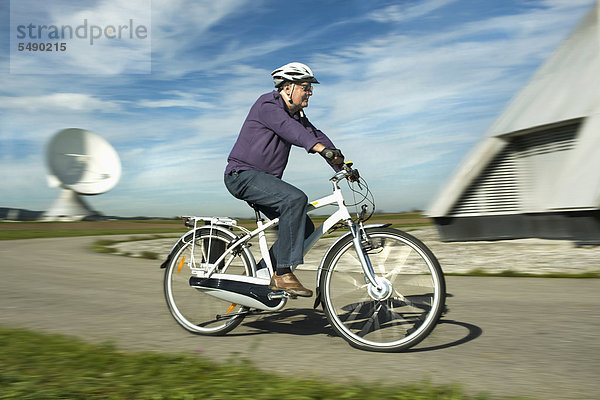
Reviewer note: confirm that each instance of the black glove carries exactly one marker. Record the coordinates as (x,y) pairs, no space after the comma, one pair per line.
(354,176)
(335,156)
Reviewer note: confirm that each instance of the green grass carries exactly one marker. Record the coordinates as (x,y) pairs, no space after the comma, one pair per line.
(36,366)
(31,230)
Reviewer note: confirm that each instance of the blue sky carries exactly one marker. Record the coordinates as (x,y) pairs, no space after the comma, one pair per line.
(407,89)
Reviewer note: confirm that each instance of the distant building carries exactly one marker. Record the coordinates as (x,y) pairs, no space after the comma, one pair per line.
(537,172)
(19,214)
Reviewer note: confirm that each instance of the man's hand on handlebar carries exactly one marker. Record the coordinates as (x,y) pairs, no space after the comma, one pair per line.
(353,176)
(335,156)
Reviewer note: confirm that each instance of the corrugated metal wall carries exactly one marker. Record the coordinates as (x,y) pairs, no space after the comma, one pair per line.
(520,178)
(496,191)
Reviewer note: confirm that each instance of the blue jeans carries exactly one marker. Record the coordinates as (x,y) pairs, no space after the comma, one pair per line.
(276,198)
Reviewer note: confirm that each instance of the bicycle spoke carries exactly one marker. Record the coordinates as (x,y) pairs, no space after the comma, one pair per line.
(352,262)
(422,302)
(396,317)
(372,321)
(385,254)
(413,283)
(354,312)
(350,279)
(382,258)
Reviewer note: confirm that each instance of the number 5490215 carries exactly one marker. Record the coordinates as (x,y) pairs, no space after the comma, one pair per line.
(34,46)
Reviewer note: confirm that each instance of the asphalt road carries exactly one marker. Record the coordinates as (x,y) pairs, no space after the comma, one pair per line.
(503,336)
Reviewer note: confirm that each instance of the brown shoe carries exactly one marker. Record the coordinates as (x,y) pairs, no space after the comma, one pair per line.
(290,284)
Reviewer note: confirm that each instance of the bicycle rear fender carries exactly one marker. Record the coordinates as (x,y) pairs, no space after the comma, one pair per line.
(319,271)
(188,237)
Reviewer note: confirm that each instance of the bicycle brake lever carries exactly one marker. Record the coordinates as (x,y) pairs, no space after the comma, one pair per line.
(355,177)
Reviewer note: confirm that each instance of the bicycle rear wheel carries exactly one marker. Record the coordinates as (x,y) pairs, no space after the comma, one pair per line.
(194,310)
(408,304)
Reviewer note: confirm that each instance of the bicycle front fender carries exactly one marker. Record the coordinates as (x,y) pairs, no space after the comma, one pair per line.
(325,257)
(188,237)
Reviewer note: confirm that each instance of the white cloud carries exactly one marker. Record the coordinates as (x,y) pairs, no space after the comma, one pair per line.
(565,3)
(177,98)
(182,29)
(403,12)
(59,101)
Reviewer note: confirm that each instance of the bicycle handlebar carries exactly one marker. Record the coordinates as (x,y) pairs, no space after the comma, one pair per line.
(346,172)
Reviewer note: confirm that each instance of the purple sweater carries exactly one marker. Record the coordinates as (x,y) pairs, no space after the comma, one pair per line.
(268,134)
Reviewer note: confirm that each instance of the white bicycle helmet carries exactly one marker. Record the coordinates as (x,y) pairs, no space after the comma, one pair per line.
(293,72)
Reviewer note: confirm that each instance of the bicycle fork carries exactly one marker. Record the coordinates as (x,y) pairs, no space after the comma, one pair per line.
(359,236)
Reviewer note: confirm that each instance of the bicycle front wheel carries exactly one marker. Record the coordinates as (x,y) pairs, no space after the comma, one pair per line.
(402,310)
(194,310)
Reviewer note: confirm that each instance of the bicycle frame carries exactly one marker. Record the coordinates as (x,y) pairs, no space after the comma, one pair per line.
(341,214)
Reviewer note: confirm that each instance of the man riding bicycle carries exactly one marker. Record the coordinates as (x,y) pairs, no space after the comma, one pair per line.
(256,163)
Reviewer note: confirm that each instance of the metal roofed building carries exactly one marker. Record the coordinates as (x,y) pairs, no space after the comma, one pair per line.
(537,172)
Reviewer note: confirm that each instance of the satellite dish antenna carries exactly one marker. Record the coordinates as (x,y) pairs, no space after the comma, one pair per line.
(81,163)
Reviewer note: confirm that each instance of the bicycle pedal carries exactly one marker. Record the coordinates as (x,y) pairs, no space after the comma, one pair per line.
(281,294)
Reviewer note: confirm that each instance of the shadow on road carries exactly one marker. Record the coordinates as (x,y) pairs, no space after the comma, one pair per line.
(307,321)
(293,321)
(473,332)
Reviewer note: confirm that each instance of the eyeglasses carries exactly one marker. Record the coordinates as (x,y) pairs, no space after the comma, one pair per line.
(306,88)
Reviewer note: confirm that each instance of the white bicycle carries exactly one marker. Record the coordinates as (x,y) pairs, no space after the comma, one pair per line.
(381,289)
